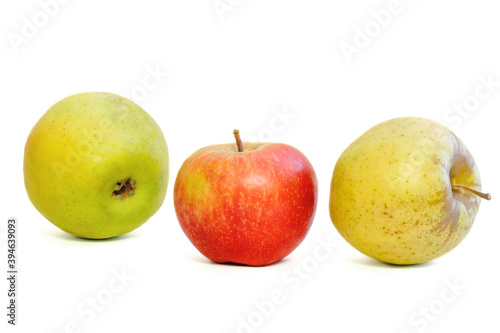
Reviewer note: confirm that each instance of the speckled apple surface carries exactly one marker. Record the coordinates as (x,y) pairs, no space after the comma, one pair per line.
(392,196)
(252,207)
(96,165)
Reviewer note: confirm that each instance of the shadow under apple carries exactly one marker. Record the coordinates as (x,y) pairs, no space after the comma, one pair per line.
(367,261)
(202,259)
(71,238)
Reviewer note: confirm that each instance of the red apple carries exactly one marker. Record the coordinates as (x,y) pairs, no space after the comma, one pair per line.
(246,203)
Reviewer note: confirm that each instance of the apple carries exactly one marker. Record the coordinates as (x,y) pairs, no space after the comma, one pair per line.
(405,192)
(96,165)
(246,203)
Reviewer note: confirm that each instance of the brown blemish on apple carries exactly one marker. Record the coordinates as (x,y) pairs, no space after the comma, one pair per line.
(127,188)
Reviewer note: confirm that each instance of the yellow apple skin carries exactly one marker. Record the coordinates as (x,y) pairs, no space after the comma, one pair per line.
(391,193)
(78,152)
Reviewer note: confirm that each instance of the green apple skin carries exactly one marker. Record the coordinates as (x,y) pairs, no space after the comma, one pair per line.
(391,192)
(78,153)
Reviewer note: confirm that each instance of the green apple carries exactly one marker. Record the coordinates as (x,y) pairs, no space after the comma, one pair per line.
(96,165)
(405,192)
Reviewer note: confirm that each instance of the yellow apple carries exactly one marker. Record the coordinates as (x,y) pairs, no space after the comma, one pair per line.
(405,192)
(96,165)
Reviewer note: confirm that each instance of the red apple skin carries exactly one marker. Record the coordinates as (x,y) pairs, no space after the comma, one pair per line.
(252,207)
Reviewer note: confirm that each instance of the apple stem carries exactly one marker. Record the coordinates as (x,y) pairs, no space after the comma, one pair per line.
(486,196)
(238,140)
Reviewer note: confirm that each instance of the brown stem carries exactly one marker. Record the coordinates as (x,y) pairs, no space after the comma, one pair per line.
(486,196)
(238,140)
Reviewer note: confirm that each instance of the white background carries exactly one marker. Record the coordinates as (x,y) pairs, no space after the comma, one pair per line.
(236,71)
